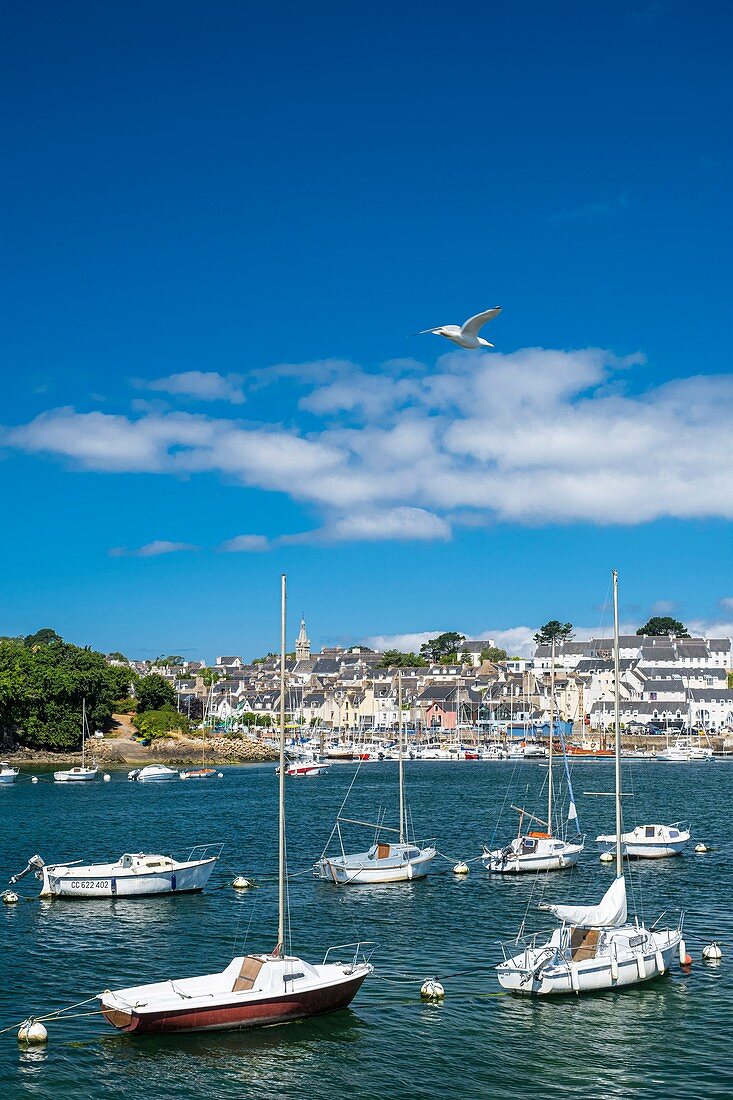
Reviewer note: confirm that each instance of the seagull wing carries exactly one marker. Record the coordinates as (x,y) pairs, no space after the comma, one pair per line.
(424,330)
(473,324)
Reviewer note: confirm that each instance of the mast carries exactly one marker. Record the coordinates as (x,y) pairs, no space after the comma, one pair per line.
(552,738)
(617,724)
(281,831)
(400,754)
(83,732)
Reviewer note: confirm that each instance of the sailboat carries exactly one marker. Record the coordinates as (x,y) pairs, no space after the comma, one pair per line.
(539,849)
(400,861)
(81,774)
(253,990)
(203,772)
(596,947)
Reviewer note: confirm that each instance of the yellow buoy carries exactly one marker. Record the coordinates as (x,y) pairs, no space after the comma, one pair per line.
(10,897)
(460,868)
(241,883)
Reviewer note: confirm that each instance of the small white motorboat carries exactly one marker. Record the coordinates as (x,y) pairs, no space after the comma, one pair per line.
(152,773)
(133,875)
(684,751)
(198,773)
(648,841)
(7,774)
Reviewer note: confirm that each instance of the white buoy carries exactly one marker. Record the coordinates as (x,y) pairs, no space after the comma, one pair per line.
(32,1032)
(606,857)
(220,775)
(10,897)
(241,883)
(106,777)
(432,990)
(712,952)
(34,779)
(460,868)
(701,847)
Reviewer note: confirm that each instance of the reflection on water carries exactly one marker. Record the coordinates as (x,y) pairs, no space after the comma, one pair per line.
(660,1040)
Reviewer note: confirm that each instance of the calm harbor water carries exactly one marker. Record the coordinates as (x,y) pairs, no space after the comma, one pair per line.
(667,1039)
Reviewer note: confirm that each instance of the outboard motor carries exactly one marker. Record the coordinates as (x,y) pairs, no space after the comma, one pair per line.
(35,863)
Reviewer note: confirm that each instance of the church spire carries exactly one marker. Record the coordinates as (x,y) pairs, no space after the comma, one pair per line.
(302,645)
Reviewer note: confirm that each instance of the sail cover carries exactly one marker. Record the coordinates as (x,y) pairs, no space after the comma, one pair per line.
(609,913)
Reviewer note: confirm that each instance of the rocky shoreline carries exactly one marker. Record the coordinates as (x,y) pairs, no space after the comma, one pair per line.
(179,750)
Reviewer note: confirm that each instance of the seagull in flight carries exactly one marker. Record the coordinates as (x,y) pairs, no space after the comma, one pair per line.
(466,335)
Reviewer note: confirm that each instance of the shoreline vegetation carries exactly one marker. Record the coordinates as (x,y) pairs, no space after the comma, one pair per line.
(114,752)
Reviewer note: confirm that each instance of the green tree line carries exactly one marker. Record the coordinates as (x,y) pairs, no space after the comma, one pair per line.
(44,681)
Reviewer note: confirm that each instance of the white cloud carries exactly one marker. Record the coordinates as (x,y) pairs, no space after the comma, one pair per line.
(200,385)
(533,436)
(389,523)
(246,544)
(152,549)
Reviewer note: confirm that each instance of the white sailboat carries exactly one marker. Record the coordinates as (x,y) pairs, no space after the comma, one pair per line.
(253,990)
(401,860)
(596,947)
(81,774)
(539,849)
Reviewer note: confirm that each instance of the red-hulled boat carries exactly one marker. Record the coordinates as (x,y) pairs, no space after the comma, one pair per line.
(253,990)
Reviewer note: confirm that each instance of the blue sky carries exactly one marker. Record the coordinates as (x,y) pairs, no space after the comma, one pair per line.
(222,222)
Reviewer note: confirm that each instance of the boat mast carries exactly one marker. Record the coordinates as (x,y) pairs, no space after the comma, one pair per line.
(617,725)
(83,732)
(552,738)
(281,834)
(400,755)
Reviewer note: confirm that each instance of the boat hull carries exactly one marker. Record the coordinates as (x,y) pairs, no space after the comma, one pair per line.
(528,863)
(87,775)
(6,778)
(239,1013)
(343,873)
(182,880)
(589,976)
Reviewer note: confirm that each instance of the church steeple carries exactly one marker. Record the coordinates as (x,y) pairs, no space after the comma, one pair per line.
(302,645)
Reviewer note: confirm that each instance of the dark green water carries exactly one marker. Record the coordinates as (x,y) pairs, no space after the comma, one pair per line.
(669,1038)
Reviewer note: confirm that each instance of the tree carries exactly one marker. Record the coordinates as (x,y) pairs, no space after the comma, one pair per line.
(43,687)
(493,653)
(211,676)
(162,723)
(394,658)
(166,662)
(661,625)
(442,647)
(554,631)
(117,656)
(45,636)
(154,692)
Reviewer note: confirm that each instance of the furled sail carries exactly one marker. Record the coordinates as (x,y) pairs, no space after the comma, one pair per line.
(572,808)
(609,913)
